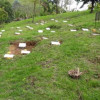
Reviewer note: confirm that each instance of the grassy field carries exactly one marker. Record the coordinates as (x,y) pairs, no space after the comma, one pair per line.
(43,74)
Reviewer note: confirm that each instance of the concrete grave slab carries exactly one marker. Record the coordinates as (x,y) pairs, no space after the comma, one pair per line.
(52,19)
(40,31)
(22,45)
(55,43)
(70,25)
(18,27)
(8,56)
(25,52)
(84,29)
(56,20)
(0,33)
(73,30)
(20,30)
(65,21)
(2,30)
(44,38)
(17,33)
(52,31)
(48,28)
(95,34)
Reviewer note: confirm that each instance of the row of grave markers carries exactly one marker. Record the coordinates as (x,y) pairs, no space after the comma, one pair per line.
(23,45)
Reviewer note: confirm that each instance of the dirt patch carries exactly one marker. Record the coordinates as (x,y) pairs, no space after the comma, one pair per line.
(97,76)
(14,47)
(95,60)
(55,26)
(31,80)
(46,64)
(79,93)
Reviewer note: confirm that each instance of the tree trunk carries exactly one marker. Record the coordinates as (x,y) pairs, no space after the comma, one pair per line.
(57,9)
(92,6)
(34,13)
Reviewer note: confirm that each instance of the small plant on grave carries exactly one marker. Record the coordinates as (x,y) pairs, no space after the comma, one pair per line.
(75,73)
(55,26)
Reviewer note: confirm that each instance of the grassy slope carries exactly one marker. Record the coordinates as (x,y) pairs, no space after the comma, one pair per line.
(53,82)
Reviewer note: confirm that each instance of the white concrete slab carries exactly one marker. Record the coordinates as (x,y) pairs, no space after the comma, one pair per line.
(70,25)
(0,33)
(27,26)
(40,31)
(52,19)
(37,23)
(42,23)
(10,56)
(17,33)
(31,28)
(84,29)
(72,30)
(55,42)
(22,45)
(95,34)
(52,31)
(20,30)
(18,27)
(44,38)
(56,20)
(25,52)
(2,30)
(48,28)
(65,21)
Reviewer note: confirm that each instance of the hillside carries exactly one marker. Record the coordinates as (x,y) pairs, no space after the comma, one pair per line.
(43,74)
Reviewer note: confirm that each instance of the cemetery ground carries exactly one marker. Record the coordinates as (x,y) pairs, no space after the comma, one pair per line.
(43,74)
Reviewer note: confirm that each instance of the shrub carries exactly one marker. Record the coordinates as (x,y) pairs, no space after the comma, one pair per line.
(97,7)
(3,15)
(8,8)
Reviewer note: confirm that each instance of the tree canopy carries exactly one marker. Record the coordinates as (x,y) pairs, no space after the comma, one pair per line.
(8,8)
(93,2)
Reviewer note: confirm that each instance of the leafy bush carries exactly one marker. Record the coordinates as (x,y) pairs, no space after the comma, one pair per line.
(3,15)
(97,7)
(8,8)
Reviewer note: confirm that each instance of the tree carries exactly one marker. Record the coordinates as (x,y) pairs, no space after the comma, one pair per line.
(46,4)
(35,3)
(8,8)
(92,3)
(16,6)
(3,15)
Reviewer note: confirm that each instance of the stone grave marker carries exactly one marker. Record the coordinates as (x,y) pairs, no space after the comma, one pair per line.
(8,56)
(55,43)
(25,52)
(84,29)
(40,31)
(48,28)
(22,45)
(73,30)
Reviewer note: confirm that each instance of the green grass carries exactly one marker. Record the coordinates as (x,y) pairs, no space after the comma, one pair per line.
(43,74)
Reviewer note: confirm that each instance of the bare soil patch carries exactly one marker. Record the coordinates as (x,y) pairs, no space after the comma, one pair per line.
(14,47)
(95,60)
(97,76)
(55,26)
(31,80)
